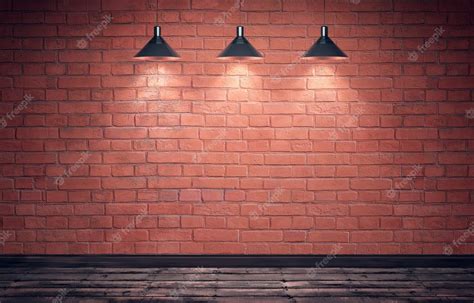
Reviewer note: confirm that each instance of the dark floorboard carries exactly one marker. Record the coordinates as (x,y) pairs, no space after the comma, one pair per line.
(112,284)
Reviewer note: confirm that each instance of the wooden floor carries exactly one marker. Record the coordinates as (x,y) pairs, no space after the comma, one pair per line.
(106,284)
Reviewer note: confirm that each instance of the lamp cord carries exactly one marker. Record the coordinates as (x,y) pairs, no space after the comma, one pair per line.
(324,12)
(240,12)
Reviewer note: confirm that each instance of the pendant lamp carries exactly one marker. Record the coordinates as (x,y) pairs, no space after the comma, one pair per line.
(157,49)
(324,48)
(240,48)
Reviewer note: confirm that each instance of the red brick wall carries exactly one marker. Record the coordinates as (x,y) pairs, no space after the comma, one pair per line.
(373,155)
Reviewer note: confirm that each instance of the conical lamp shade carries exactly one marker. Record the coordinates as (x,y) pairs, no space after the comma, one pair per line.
(325,48)
(240,48)
(157,49)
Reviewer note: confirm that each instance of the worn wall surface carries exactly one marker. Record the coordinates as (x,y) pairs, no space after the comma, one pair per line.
(103,154)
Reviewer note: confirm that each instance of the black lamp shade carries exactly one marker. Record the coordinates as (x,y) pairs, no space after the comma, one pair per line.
(324,48)
(240,48)
(157,49)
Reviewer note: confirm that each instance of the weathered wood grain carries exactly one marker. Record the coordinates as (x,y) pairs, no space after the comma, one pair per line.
(103,284)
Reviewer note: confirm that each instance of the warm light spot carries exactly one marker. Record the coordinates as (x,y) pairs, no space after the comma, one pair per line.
(237,69)
(156,81)
(324,70)
(149,68)
(165,68)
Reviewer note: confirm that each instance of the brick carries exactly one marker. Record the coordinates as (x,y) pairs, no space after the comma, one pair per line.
(80,183)
(283,210)
(192,222)
(371,83)
(118,183)
(37,133)
(124,157)
(79,82)
(80,133)
(328,210)
(370,184)
(35,158)
(212,235)
(31,82)
(455,82)
(416,133)
(57,236)
(455,184)
(80,56)
(366,134)
(328,236)
(371,210)
(170,235)
(125,133)
(36,30)
(371,236)
(322,184)
(125,5)
(261,236)
(264,5)
(285,159)
(123,81)
(328,83)
(208,81)
(174,4)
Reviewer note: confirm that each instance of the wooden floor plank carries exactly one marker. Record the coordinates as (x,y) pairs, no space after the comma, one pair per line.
(234,277)
(237,284)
